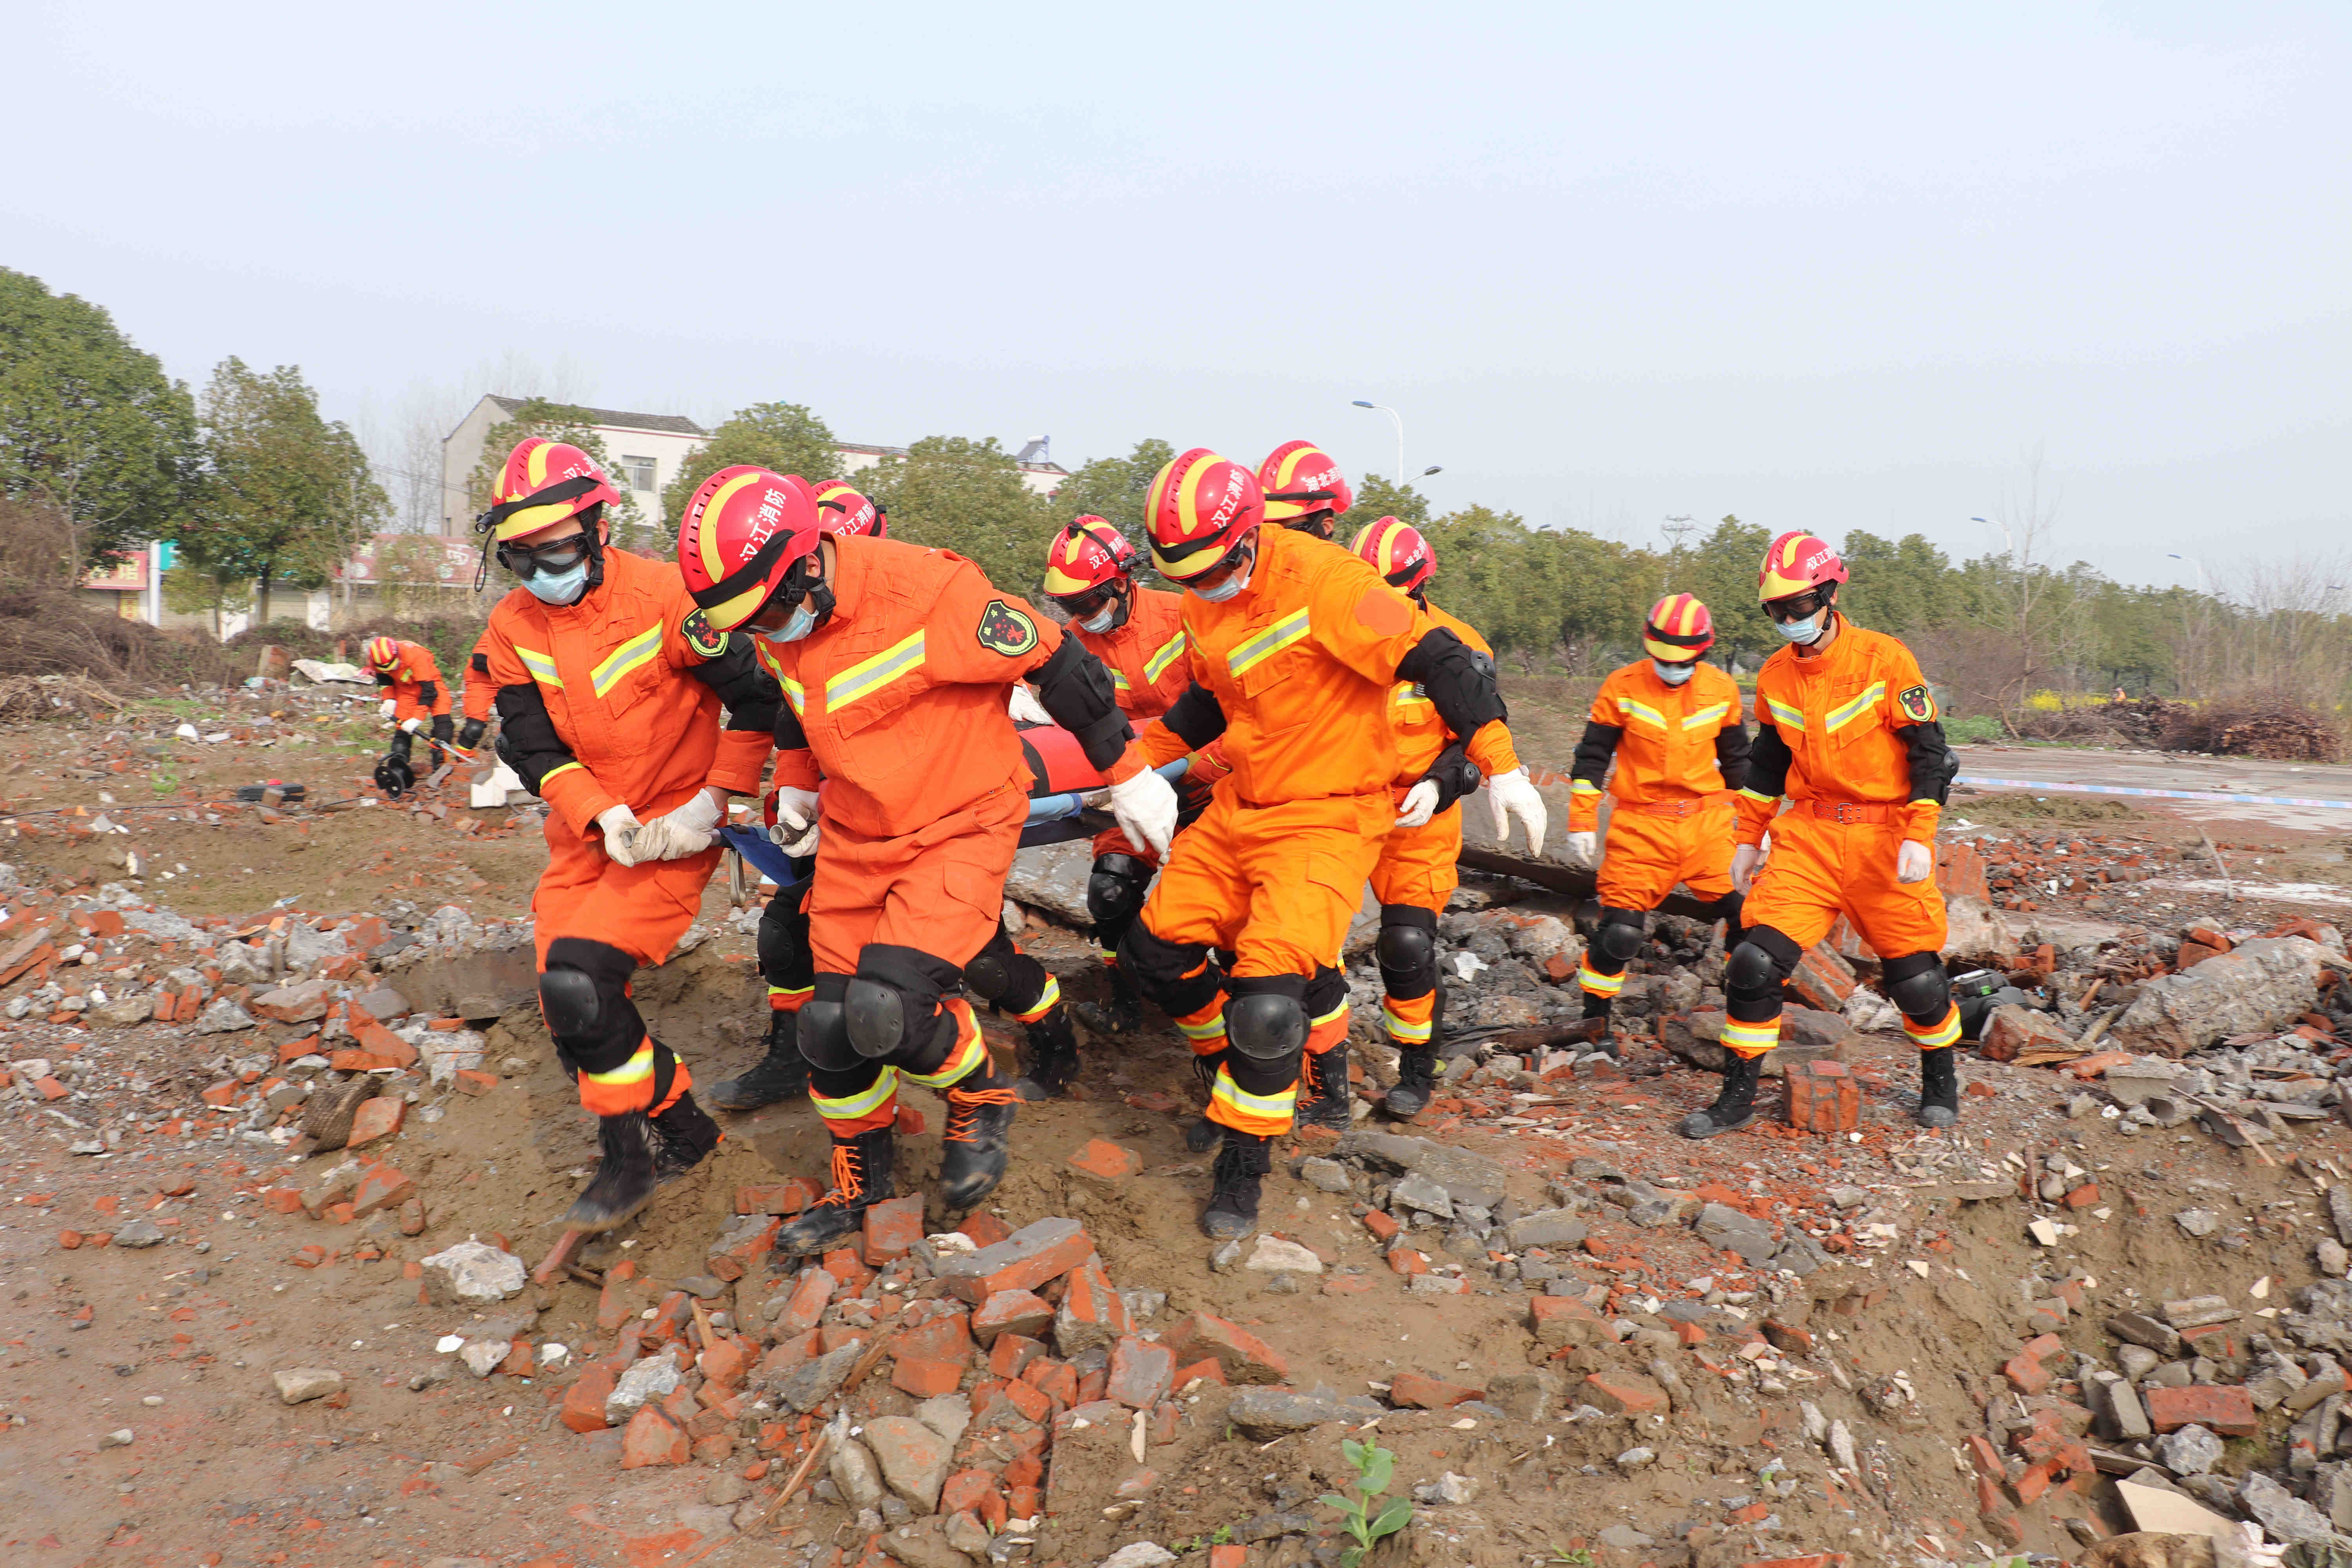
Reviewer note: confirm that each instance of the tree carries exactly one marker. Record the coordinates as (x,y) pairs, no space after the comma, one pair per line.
(207,588)
(285,494)
(574,426)
(89,424)
(1377,498)
(1722,573)
(783,437)
(1113,489)
(953,493)
(1904,587)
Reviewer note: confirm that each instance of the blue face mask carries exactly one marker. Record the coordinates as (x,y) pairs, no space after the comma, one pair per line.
(802,622)
(562,588)
(1673,674)
(1101,622)
(1799,632)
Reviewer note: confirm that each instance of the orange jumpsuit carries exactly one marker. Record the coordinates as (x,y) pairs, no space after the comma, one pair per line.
(1419,868)
(1843,736)
(481,691)
(418,692)
(896,701)
(615,699)
(1678,750)
(1297,667)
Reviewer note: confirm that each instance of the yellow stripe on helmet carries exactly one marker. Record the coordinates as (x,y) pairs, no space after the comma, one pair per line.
(713,564)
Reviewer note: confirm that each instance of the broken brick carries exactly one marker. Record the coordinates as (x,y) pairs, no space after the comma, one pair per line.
(1141,1373)
(2229,1411)
(1241,1355)
(1105,1160)
(924,1378)
(1011,1313)
(892,1229)
(1419,1391)
(1011,1352)
(583,1401)
(377,1118)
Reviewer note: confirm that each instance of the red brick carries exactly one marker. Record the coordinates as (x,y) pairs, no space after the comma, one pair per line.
(1013,1265)
(1557,1321)
(946,1338)
(910,1122)
(68,1239)
(1105,1160)
(1056,1380)
(1141,1373)
(377,1118)
(471,1080)
(1030,1400)
(965,1491)
(1011,1352)
(293,1050)
(2228,1411)
(1419,1391)
(1243,1356)
(583,1401)
(2026,1375)
(1091,1311)
(411,1217)
(1211,1371)
(776,1198)
(1823,980)
(378,1041)
(381,1187)
(1346,1285)
(925,1379)
(2214,1339)
(282,1199)
(1025,1503)
(806,1305)
(1020,1312)
(2084,1196)
(1382,1227)
(1983,1455)
(724,1361)
(1689,1334)
(1624,1392)
(715,1450)
(1228,1556)
(892,1229)
(848,1266)
(787,1353)
(1822,1098)
(985,1229)
(1406,1260)
(2043,1346)
(222,1093)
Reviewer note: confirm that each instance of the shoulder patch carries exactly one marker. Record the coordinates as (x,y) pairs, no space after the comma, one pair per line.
(1005,630)
(1918,705)
(702,635)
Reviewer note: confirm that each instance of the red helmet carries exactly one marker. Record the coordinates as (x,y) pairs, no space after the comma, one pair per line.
(1678,630)
(1300,481)
(1398,552)
(1795,562)
(382,653)
(743,529)
(843,511)
(1086,556)
(543,482)
(1200,508)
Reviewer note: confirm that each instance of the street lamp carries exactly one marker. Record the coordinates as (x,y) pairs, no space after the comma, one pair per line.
(2007,543)
(1398,419)
(2199,565)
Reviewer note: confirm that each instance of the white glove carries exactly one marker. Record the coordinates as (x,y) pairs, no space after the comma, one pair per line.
(621,828)
(1419,805)
(1145,805)
(411,726)
(388,708)
(684,830)
(1744,860)
(1583,848)
(795,828)
(1512,794)
(1023,708)
(1914,861)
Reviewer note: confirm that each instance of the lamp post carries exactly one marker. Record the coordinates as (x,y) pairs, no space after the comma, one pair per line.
(2171,556)
(1398,419)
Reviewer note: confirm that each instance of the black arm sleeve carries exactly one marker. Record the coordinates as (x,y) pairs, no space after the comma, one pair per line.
(1768,763)
(427,693)
(382,679)
(1459,679)
(790,736)
(1195,718)
(1731,757)
(1932,766)
(1594,751)
(1075,691)
(480,665)
(527,737)
(750,693)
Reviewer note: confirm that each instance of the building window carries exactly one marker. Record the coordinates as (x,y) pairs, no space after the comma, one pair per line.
(640,471)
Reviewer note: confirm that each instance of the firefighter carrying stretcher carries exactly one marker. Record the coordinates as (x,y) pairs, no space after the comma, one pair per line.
(896,663)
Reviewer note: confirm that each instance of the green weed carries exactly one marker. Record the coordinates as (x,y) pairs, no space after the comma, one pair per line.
(1374,1468)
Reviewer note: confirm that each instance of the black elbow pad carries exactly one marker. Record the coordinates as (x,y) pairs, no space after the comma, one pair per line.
(1196,717)
(1074,689)
(1454,775)
(1458,679)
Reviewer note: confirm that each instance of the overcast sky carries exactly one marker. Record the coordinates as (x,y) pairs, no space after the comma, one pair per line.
(1829,267)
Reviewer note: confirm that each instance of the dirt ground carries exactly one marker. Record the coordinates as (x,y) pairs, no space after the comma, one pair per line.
(1900,1339)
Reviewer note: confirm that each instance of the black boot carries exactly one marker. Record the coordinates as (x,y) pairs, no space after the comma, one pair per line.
(1200,1134)
(1417,1070)
(1053,1056)
(624,1181)
(1242,1164)
(977,1141)
(782,1074)
(1734,1108)
(684,1136)
(1596,1025)
(1939,1088)
(1119,1012)
(861,1177)
(1324,1077)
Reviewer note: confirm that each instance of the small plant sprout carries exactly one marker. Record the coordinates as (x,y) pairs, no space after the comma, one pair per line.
(1374,1466)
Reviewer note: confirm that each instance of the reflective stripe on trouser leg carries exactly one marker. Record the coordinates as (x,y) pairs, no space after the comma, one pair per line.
(856,1099)
(1047,1000)
(1206,1028)
(1751,1039)
(967,1055)
(788,998)
(1408,1022)
(1595,983)
(1934,1036)
(1259,1099)
(650,1080)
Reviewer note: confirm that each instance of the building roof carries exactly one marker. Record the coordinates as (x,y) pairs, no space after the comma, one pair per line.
(668,424)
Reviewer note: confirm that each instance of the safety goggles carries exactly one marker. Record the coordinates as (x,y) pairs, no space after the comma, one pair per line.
(1090,603)
(1238,559)
(1797,606)
(799,578)
(553,560)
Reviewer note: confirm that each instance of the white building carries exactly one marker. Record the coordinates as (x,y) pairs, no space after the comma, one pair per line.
(647,450)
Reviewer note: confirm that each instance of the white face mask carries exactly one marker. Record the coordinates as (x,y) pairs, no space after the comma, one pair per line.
(1673,674)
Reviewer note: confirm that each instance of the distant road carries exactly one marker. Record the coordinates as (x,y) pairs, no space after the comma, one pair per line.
(2012,768)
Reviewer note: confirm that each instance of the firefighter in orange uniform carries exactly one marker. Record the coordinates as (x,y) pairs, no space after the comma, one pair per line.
(610,685)
(1418,869)
(896,664)
(1673,726)
(1138,635)
(418,705)
(482,695)
(785,961)
(1848,733)
(1292,645)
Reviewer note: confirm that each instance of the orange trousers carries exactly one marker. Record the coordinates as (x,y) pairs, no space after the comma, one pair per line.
(1820,869)
(1419,867)
(940,889)
(1648,852)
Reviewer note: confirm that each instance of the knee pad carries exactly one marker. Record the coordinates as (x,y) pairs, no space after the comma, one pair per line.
(568,999)
(1165,971)
(584,992)
(1406,950)
(990,974)
(824,1026)
(1763,959)
(895,997)
(1267,1026)
(470,735)
(1115,890)
(1917,984)
(1620,934)
(443,727)
(876,1018)
(784,955)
